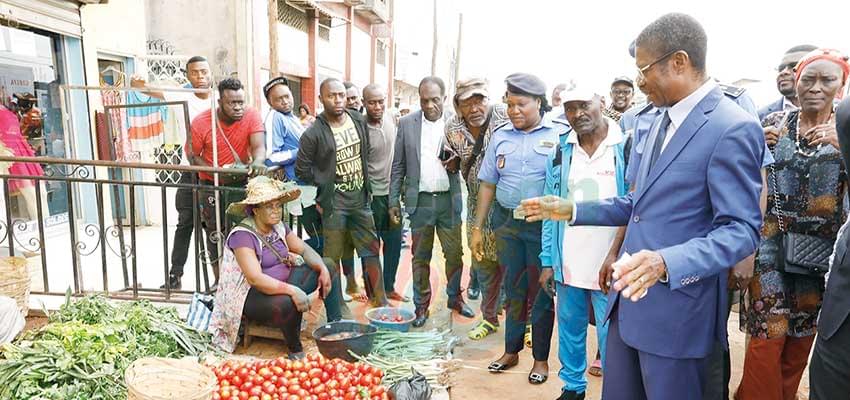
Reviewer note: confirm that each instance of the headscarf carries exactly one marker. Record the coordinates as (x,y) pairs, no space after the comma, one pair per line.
(830,55)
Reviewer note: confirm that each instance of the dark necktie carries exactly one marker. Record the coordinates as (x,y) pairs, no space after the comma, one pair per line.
(659,139)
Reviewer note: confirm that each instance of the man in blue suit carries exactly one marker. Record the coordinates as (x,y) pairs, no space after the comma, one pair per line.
(694,214)
(785,81)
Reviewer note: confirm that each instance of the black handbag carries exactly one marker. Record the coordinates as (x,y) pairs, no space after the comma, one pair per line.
(799,253)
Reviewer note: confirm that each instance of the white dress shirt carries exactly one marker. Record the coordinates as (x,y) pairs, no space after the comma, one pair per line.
(787,105)
(432,175)
(680,111)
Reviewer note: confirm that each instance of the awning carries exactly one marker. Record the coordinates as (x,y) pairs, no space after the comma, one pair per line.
(312,5)
(58,16)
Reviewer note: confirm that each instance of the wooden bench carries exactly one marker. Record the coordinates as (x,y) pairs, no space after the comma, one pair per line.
(255,329)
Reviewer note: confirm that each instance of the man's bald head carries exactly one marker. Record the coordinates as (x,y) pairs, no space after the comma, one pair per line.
(374,100)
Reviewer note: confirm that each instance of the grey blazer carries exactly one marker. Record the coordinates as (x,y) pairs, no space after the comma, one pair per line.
(404,179)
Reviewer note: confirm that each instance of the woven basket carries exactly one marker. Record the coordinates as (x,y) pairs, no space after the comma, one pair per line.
(15,281)
(169,379)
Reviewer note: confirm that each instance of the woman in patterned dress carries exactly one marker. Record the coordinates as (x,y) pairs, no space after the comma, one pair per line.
(807,182)
(468,133)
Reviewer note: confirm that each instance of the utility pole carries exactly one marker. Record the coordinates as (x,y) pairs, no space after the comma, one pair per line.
(434,48)
(273,59)
(457,52)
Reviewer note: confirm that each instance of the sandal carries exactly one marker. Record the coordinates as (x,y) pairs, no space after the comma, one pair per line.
(595,368)
(484,329)
(528,341)
(297,356)
(535,378)
(496,367)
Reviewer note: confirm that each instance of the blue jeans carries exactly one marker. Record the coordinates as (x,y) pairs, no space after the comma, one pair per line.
(572,332)
(518,247)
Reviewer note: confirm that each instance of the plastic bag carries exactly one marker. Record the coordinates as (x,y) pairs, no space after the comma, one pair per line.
(11,319)
(414,388)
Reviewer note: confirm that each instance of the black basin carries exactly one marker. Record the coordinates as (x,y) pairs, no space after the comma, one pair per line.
(360,344)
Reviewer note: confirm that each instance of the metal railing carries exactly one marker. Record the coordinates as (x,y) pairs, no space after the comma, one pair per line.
(107,235)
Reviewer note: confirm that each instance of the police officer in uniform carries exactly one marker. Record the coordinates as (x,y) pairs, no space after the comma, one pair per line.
(514,169)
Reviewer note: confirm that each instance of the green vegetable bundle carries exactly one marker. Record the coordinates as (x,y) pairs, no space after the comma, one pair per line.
(426,352)
(83,352)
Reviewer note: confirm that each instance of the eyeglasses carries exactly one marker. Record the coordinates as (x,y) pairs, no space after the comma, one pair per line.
(274,207)
(642,70)
(786,66)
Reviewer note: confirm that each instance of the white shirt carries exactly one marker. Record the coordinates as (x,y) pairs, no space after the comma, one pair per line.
(432,175)
(592,177)
(787,105)
(680,111)
(195,104)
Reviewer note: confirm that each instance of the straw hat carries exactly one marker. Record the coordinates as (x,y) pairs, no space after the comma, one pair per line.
(262,189)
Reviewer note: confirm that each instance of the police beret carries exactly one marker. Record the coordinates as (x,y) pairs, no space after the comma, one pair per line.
(527,83)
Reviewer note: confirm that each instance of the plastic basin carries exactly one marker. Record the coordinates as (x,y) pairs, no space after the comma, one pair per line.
(360,343)
(374,316)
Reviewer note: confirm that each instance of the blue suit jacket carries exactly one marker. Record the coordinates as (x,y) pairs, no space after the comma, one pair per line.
(770,109)
(699,208)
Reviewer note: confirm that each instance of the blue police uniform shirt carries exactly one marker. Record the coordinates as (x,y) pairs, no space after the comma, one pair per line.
(638,120)
(515,161)
(636,123)
(284,141)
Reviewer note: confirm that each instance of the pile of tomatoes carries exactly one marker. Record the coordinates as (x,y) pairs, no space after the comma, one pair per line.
(313,378)
(390,318)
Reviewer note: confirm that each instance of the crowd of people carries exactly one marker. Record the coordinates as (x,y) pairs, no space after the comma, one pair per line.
(647,221)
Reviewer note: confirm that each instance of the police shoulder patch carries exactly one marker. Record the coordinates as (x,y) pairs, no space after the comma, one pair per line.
(646,107)
(732,91)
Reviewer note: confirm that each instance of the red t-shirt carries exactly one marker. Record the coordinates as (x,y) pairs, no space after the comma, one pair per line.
(238,134)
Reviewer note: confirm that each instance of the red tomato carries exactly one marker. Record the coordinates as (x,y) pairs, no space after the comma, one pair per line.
(247,386)
(278,371)
(243,395)
(293,389)
(224,383)
(344,384)
(236,381)
(256,391)
(366,380)
(258,380)
(350,396)
(293,397)
(375,371)
(216,396)
(254,398)
(325,376)
(266,397)
(315,373)
(297,366)
(332,384)
(269,388)
(264,372)
(242,373)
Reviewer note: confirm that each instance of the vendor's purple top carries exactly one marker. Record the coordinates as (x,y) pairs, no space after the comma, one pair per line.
(268,261)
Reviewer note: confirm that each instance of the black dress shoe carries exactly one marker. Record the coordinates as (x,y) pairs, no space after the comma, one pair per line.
(174,282)
(569,395)
(421,318)
(473,293)
(462,309)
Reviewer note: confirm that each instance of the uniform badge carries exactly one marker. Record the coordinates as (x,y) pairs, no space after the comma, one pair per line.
(500,162)
(547,144)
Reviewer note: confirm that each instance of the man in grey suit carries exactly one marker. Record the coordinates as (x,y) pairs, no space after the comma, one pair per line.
(426,171)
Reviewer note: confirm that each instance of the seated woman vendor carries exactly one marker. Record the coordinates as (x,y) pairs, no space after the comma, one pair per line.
(268,271)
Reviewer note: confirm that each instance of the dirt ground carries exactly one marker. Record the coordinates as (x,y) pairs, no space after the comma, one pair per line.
(473,381)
